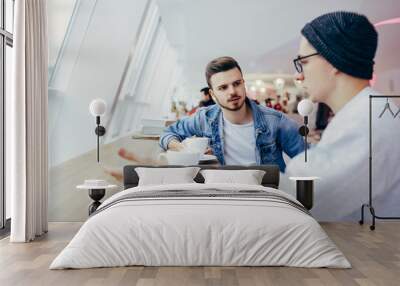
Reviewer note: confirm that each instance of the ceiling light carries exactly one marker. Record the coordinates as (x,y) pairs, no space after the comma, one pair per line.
(279,83)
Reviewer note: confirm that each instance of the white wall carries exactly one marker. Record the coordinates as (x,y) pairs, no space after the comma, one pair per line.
(388,82)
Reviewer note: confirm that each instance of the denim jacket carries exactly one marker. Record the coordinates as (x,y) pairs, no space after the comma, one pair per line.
(274,132)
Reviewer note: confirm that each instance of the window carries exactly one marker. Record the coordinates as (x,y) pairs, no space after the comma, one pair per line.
(6,44)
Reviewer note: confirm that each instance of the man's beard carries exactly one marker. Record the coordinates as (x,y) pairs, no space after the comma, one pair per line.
(229,108)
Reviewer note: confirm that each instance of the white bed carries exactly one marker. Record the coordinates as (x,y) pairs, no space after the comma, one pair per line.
(185,230)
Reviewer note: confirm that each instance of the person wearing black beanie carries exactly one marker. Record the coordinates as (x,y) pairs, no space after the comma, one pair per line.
(335,63)
(336,50)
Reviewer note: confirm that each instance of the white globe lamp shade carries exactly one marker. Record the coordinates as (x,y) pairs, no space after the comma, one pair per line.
(305,107)
(97,107)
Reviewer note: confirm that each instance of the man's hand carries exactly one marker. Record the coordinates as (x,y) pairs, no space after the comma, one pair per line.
(314,136)
(209,151)
(175,145)
(114,172)
(122,152)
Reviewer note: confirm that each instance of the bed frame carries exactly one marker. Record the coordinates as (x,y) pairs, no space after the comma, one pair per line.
(270,179)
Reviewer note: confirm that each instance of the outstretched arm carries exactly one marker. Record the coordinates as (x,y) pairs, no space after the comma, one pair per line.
(179,131)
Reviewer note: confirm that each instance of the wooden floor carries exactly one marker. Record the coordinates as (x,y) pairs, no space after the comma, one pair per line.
(374,255)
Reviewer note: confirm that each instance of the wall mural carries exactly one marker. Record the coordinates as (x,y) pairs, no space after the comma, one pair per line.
(130,88)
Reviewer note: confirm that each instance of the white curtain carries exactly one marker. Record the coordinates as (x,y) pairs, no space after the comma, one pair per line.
(28,173)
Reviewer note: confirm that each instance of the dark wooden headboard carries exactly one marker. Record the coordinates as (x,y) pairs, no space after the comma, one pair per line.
(271,177)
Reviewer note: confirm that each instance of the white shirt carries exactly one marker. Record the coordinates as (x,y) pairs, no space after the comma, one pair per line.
(340,159)
(239,143)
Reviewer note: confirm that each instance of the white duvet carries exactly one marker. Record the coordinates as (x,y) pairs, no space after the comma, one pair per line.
(200,231)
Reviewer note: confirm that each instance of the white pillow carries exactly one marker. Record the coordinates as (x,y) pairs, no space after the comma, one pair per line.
(248,177)
(166,176)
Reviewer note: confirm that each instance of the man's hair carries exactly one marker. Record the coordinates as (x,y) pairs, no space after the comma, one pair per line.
(205,90)
(220,65)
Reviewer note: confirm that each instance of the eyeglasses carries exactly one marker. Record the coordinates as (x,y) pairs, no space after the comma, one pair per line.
(297,62)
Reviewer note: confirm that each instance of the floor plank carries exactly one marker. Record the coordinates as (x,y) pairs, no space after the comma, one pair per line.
(375,257)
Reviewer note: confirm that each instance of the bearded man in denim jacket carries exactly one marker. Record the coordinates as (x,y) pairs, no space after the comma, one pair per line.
(240,131)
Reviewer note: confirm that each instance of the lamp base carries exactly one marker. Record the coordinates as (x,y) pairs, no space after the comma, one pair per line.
(96,195)
(305,193)
(100,130)
(303,130)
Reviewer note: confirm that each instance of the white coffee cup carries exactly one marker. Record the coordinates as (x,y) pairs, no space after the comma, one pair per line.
(196,144)
(181,157)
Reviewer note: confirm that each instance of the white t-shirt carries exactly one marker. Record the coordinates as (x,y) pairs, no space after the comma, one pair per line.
(239,143)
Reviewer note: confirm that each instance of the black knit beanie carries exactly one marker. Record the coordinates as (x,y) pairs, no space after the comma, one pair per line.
(345,39)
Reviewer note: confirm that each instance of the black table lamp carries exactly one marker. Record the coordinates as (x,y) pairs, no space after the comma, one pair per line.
(98,108)
(305,107)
